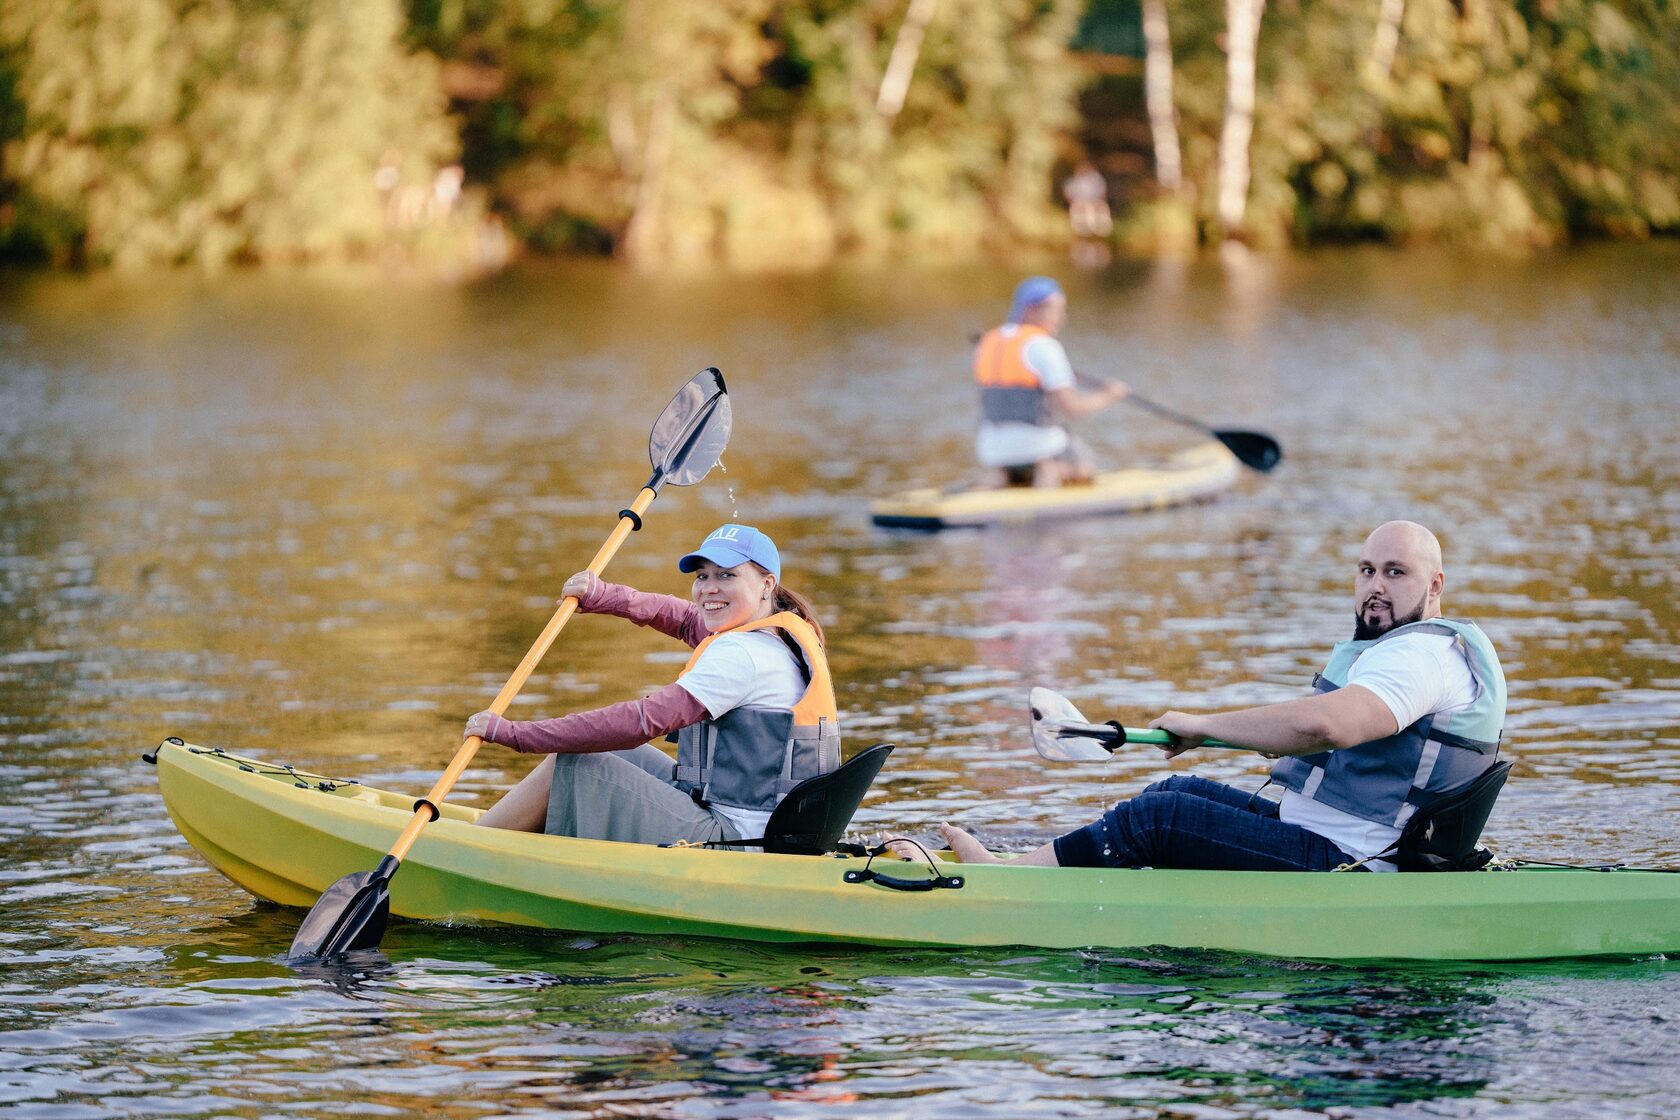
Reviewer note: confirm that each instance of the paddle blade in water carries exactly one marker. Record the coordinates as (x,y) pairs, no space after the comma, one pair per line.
(350,914)
(1061,733)
(690,435)
(1255,449)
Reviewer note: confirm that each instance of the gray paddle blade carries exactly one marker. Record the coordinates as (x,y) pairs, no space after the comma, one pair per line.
(350,914)
(690,435)
(1061,733)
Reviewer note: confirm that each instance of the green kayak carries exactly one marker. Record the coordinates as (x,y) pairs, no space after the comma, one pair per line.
(285,835)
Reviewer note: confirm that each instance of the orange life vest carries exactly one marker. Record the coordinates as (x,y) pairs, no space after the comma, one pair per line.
(749,758)
(1009,389)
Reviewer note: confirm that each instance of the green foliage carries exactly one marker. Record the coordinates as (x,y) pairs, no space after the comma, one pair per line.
(162,131)
(748,130)
(1501,124)
(754,132)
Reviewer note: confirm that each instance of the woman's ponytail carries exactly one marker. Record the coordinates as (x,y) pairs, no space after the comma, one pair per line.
(787,600)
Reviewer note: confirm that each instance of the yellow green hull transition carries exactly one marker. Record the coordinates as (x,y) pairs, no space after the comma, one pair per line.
(1192,475)
(286,836)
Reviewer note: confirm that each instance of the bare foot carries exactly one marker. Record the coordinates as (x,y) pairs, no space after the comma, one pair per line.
(902,848)
(968,849)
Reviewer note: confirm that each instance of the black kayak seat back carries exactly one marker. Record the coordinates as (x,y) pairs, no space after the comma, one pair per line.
(813,816)
(1443,835)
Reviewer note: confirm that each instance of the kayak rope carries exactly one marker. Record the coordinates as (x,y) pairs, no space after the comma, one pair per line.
(1512,863)
(1515,862)
(302,779)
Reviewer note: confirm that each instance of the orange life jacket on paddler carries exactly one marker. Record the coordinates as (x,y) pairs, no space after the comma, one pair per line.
(749,758)
(1009,389)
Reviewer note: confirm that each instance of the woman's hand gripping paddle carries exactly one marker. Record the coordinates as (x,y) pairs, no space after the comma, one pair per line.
(685,444)
(1062,734)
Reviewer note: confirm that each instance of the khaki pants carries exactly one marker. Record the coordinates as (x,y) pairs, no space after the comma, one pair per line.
(627,796)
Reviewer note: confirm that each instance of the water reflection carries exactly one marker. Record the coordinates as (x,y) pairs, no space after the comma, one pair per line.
(546,1019)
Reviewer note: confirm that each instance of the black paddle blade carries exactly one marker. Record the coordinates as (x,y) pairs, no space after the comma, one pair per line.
(690,435)
(1255,449)
(350,914)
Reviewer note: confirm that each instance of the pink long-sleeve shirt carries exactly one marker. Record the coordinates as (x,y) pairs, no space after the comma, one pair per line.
(631,723)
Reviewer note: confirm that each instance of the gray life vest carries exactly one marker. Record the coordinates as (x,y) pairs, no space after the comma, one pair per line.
(1386,780)
(750,758)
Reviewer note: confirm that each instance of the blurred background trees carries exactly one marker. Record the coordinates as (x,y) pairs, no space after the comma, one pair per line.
(780,134)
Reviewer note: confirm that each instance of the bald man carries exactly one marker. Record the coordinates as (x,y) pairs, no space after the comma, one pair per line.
(1408,710)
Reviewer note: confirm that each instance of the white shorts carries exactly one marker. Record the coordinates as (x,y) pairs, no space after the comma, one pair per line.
(1013,444)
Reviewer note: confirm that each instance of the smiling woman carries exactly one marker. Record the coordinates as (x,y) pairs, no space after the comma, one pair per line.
(752,713)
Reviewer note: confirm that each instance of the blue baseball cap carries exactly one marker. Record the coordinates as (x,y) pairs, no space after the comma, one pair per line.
(729,545)
(1031,292)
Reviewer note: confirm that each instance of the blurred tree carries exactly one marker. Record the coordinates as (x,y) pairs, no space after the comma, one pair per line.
(162,131)
(782,133)
(1158,97)
(1499,123)
(1242,38)
(756,133)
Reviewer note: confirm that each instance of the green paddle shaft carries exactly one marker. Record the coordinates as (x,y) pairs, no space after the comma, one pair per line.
(1114,737)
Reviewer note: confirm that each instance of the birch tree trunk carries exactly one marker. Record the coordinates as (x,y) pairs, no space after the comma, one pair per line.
(1242,33)
(1387,38)
(1158,96)
(642,233)
(907,48)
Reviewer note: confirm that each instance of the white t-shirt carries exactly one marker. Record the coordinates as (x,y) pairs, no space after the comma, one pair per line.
(751,669)
(1416,675)
(1015,444)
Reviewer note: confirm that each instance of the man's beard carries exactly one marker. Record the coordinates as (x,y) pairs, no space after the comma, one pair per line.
(1364,633)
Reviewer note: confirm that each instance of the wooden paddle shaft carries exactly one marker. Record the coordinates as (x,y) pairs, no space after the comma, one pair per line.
(423,813)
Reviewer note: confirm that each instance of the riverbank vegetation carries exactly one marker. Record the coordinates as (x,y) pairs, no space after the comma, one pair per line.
(773,134)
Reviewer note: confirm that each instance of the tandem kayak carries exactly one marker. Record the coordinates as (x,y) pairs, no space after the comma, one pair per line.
(1191,475)
(285,835)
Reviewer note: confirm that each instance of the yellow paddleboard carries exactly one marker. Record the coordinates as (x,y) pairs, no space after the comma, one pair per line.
(1194,474)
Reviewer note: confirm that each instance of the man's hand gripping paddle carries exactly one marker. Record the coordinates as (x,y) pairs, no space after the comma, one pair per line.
(1061,733)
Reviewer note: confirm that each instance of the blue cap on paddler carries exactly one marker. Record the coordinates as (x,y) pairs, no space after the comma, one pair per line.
(730,545)
(1031,292)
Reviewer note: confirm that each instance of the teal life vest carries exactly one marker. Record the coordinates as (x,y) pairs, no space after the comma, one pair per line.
(1387,780)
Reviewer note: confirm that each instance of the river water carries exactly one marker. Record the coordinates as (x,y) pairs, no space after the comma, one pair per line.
(320,519)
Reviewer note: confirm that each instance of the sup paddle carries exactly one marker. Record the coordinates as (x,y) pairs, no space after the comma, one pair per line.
(685,444)
(1061,733)
(1256,450)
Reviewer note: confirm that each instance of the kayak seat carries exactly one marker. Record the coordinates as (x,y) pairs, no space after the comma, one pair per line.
(813,816)
(1442,836)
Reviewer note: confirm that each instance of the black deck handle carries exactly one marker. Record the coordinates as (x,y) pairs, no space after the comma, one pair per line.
(936,882)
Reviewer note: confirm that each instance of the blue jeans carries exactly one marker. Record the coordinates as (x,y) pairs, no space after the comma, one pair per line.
(1191,822)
